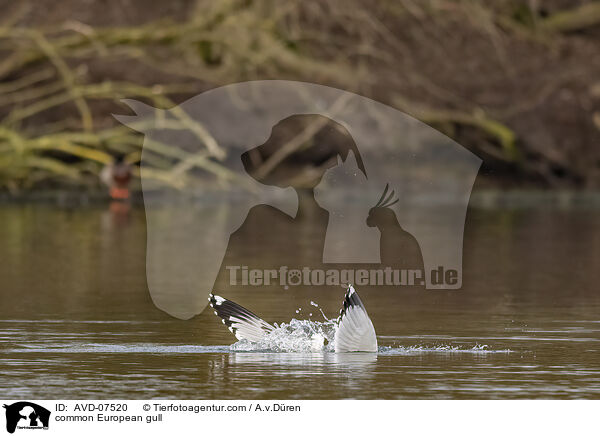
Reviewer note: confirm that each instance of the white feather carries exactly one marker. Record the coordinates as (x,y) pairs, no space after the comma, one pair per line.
(355,331)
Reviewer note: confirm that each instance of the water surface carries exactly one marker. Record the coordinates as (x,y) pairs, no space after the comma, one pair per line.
(77,320)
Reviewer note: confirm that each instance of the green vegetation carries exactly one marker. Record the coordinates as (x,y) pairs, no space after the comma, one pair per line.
(513,82)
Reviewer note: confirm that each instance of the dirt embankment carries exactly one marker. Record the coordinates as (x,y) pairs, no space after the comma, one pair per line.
(515,81)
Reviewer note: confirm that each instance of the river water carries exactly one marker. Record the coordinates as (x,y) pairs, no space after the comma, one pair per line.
(77,320)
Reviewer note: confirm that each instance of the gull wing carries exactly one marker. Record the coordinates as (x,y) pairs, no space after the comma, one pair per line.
(355,331)
(240,321)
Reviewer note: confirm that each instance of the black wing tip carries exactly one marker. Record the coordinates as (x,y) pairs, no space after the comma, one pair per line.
(346,303)
(351,299)
(214,302)
(232,314)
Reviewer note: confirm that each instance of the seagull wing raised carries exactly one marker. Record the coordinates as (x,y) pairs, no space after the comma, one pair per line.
(355,331)
(241,322)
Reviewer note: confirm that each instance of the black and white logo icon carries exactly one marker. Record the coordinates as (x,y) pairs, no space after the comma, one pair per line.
(26,415)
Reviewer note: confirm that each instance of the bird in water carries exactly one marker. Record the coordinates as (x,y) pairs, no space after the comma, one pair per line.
(117,177)
(354,330)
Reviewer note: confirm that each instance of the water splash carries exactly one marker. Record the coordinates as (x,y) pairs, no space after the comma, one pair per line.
(305,337)
(296,336)
(308,336)
(417,349)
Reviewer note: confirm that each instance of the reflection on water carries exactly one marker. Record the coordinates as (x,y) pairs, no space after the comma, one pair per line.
(77,320)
